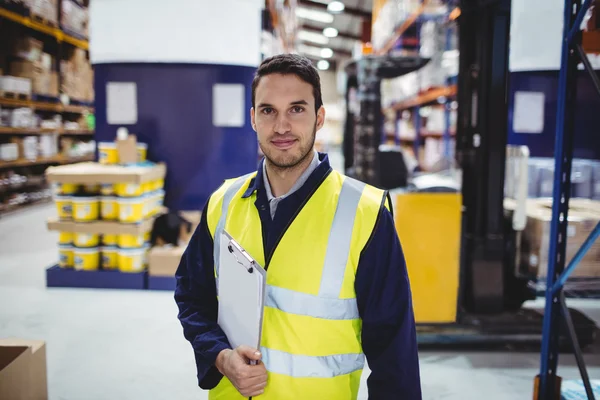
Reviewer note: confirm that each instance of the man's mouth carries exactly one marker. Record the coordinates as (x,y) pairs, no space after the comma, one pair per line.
(283,144)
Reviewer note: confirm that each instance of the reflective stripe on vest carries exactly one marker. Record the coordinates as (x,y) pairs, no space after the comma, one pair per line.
(227,197)
(299,366)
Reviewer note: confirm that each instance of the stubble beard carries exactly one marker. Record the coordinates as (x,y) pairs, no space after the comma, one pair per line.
(286,165)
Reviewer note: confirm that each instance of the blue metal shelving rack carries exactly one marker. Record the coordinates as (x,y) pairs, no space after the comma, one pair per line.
(556,307)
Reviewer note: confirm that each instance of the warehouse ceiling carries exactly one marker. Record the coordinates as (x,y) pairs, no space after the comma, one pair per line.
(313,19)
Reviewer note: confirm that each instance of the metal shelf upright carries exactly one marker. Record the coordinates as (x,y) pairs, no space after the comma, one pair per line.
(572,53)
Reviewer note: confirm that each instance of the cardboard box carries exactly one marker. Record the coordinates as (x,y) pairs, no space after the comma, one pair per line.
(100,227)
(25,69)
(46,83)
(536,238)
(9,151)
(163,261)
(92,172)
(28,147)
(23,373)
(127,149)
(28,48)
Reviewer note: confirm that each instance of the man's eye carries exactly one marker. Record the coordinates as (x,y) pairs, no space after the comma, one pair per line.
(297,109)
(267,110)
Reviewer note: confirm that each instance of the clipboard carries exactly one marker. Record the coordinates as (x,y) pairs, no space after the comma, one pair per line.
(242,291)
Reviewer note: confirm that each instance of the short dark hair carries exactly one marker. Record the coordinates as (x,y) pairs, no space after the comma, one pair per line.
(290,64)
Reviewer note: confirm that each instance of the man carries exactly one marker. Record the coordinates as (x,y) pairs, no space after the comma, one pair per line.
(337,281)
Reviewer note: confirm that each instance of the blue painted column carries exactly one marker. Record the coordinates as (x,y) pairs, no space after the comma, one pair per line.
(176,52)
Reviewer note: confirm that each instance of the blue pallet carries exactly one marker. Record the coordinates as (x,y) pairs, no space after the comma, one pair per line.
(61,277)
(161,283)
(574,390)
(44,98)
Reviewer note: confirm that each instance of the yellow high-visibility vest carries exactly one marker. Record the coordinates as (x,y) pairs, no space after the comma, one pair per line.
(311,336)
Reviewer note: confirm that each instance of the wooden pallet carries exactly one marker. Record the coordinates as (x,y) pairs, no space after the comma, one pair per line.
(42,20)
(14,96)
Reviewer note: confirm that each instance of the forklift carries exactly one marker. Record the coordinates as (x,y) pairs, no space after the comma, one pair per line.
(462,247)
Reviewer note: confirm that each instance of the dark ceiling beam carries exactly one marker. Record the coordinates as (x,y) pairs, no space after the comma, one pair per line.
(344,35)
(356,12)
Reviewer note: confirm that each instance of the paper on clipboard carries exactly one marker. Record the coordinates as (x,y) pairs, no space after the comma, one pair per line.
(241,294)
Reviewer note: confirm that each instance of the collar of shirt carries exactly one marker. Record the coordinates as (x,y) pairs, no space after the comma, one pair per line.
(299,183)
(313,178)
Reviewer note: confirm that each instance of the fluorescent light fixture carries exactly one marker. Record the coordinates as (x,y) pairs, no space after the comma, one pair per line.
(326,53)
(310,50)
(323,65)
(330,32)
(312,37)
(335,7)
(315,15)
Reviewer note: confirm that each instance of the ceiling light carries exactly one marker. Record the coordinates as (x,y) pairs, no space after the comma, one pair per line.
(330,32)
(310,50)
(326,53)
(312,37)
(335,7)
(315,15)
(323,65)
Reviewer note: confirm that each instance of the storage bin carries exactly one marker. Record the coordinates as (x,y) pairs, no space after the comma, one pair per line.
(109,240)
(128,189)
(66,257)
(126,241)
(110,257)
(64,206)
(87,259)
(65,238)
(107,153)
(86,239)
(131,210)
(107,189)
(109,208)
(142,152)
(85,209)
(131,260)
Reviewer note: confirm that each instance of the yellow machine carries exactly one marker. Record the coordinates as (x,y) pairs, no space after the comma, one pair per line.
(429,227)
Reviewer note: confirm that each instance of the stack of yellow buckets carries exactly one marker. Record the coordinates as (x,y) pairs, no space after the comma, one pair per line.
(126,203)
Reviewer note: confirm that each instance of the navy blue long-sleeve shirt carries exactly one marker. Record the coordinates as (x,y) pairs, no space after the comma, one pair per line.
(382,293)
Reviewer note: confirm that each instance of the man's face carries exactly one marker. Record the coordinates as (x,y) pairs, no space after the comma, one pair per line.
(285,120)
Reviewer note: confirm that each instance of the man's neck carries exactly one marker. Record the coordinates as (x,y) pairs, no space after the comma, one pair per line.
(282,180)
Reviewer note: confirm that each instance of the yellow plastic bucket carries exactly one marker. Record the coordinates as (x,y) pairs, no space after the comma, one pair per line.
(66,188)
(85,209)
(107,189)
(66,256)
(142,152)
(64,206)
(147,187)
(65,238)
(130,241)
(109,240)
(131,209)
(161,200)
(131,260)
(86,239)
(110,258)
(107,153)
(87,259)
(129,189)
(147,237)
(109,208)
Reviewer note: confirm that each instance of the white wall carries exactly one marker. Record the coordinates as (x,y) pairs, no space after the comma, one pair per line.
(188,31)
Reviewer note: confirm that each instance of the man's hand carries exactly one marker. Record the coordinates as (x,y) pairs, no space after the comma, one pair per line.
(249,380)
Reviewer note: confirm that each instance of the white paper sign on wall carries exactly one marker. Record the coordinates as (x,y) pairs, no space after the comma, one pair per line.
(528,114)
(228,105)
(121,103)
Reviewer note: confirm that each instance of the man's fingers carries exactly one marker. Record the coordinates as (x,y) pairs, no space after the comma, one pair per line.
(249,353)
(255,390)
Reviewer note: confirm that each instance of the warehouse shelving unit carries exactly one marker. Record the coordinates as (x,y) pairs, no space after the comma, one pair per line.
(556,308)
(52,31)
(438,95)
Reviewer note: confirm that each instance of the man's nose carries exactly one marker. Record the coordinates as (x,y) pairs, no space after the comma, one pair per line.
(282,125)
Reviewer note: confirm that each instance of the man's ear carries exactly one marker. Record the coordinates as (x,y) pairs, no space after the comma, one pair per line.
(252,120)
(320,117)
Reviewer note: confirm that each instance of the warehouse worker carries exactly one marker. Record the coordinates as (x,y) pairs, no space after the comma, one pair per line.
(337,281)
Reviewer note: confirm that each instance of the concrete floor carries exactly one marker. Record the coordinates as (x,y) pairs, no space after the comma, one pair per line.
(105,344)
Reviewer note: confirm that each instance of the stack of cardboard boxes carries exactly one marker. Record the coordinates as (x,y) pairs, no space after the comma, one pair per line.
(74,18)
(33,64)
(583,216)
(45,10)
(23,372)
(77,76)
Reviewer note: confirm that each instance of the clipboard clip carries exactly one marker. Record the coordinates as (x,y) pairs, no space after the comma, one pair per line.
(249,264)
